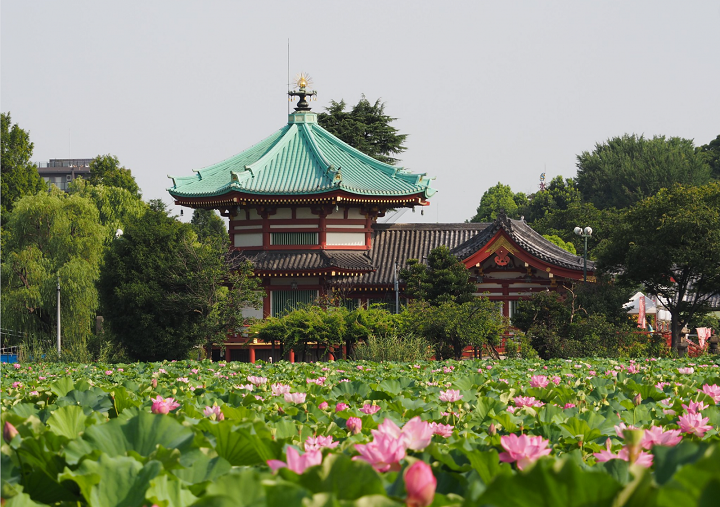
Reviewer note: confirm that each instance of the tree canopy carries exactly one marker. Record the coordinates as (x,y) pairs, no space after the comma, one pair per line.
(49,236)
(711,153)
(162,292)
(365,127)
(18,176)
(670,243)
(207,224)
(499,197)
(627,169)
(106,170)
(444,279)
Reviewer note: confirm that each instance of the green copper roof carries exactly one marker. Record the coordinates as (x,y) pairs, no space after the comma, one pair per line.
(301,159)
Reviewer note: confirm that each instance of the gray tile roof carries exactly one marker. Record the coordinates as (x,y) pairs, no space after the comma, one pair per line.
(400,242)
(528,239)
(279,260)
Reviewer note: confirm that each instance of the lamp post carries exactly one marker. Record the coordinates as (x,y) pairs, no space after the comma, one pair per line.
(584,233)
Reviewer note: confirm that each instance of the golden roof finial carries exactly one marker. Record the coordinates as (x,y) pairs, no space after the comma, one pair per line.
(303,80)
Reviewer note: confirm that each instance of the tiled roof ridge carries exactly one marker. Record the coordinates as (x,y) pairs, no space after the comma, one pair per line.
(431,227)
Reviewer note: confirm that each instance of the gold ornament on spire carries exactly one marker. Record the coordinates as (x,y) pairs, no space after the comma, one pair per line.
(303,80)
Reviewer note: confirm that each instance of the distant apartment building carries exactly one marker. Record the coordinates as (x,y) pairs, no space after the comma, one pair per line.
(61,171)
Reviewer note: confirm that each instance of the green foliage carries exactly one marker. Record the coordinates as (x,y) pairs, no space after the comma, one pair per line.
(444,279)
(497,198)
(557,240)
(558,195)
(163,293)
(587,321)
(450,326)
(116,206)
(391,347)
(670,243)
(304,325)
(519,346)
(106,170)
(711,154)
(207,224)
(624,170)
(562,222)
(50,236)
(18,176)
(366,128)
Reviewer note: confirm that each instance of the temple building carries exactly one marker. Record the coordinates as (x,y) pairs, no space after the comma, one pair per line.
(303,208)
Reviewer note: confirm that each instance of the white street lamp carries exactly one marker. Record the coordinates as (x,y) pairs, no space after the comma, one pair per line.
(584,233)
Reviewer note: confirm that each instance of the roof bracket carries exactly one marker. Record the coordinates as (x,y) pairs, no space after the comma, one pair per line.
(172,178)
(198,173)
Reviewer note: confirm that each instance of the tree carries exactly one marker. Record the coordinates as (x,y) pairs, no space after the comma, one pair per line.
(116,206)
(558,195)
(106,170)
(18,176)
(162,292)
(207,224)
(587,320)
(670,243)
(444,279)
(50,236)
(711,153)
(366,128)
(451,327)
(499,197)
(627,169)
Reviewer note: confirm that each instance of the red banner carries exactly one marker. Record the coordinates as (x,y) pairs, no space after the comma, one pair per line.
(641,312)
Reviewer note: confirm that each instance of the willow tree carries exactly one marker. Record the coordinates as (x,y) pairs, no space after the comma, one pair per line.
(49,238)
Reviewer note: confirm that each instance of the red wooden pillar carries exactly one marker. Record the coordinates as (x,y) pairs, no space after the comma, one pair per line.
(292,356)
(344,350)
(252,354)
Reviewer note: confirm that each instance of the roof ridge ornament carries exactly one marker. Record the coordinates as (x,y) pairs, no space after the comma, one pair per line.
(302,82)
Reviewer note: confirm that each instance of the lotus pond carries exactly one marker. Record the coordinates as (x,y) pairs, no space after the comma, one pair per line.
(502,433)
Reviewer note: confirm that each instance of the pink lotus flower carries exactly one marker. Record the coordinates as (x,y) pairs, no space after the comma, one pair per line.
(257,381)
(320,442)
(34,393)
(323,406)
(656,436)
(295,397)
(163,405)
(354,425)
(369,409)
(527,401)
(279,389)
(295,461)
(633,368)
(214,413)
(341,406)
(695,407)
(556,380)
(9,432)
(108,372)
(383,453)
(420,484)
(569,405)
(444,430)
(713,391)
(620,429)
(417,434)
(450,396)
(644,458)
(695,424)
(17,366)
(686,371)
(389,428)
(538,381)
(194,371)
(523,450)
(16,385)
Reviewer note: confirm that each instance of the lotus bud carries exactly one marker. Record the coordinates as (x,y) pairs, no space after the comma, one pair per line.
(153,382)
(492,430)
(420,484)
(323,405)
(633,439)
(637,399)
(9,432)
(354,425)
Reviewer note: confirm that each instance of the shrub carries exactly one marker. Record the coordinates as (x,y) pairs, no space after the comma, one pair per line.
(392,347)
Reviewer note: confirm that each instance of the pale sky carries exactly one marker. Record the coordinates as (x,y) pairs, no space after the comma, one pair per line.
(488,91)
